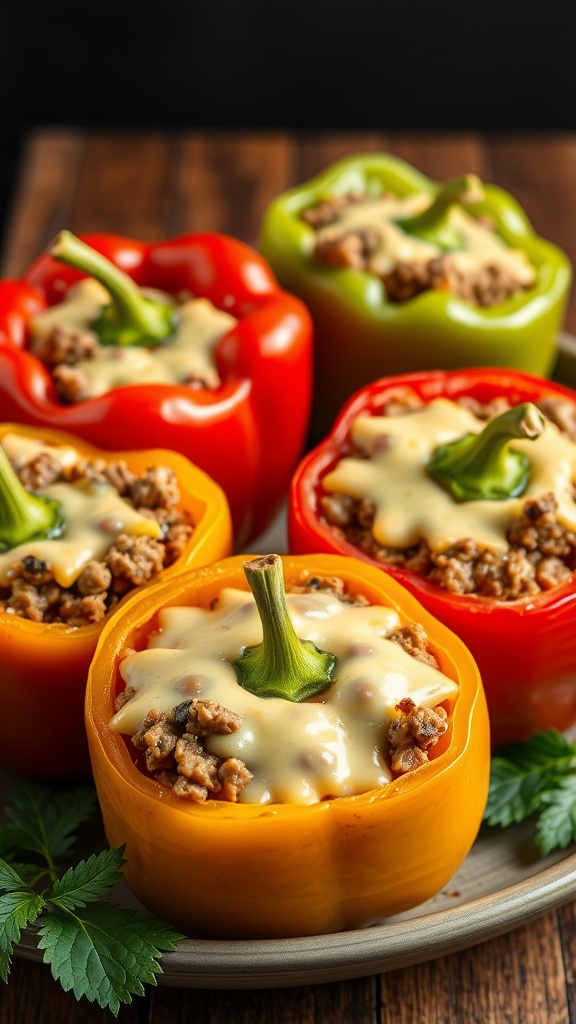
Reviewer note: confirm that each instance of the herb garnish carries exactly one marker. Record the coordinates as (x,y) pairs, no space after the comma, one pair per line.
(95,948)
(536,777)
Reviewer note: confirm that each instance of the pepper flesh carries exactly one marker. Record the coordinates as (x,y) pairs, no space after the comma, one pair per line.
(45,665)
(524,649)
(237,433)
(359,336)
(248,870)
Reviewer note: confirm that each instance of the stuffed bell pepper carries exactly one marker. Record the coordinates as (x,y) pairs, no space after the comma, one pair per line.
(402,273)
(287,746)
(187,344)
(461,485)
(80,531)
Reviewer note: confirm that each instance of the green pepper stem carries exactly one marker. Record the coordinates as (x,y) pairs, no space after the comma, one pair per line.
(482,466)
(131,318)
(432,224)
(282,665)
(24,516)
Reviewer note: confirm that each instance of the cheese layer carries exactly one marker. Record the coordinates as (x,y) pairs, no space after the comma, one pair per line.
(93,511)
(481,247)
(334,745)
(188,353)
(410,506)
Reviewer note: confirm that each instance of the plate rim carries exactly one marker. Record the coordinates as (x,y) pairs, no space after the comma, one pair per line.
(340,956)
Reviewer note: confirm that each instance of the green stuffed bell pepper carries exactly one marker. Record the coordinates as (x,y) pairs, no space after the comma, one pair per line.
(402,273)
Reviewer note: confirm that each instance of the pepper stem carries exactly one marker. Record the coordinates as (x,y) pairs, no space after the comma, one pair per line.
(24,516)
(482,466)
(282,665)
(432,225)
(131,318)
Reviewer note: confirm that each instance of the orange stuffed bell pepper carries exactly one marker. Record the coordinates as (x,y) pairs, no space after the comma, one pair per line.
(59,499)
(302,839)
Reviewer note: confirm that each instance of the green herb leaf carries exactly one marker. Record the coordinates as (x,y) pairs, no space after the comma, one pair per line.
(10,878)
(96,949)
(44,821)
(556,824)
(523,772)
(88,881)
(536,778)
(106,953)
(17,909)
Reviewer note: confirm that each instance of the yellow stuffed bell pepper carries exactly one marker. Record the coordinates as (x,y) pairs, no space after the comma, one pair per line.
(274,869)
(45,659)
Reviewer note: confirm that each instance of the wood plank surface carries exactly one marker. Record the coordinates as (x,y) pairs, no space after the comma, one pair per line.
(152,185)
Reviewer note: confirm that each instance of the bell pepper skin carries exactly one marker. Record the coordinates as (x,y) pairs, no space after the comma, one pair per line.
(45,665)
(524,649)
(236,433)
(360,336)
(248,870)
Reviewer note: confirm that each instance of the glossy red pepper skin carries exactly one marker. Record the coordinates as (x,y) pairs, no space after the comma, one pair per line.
(525,649)
(248,433)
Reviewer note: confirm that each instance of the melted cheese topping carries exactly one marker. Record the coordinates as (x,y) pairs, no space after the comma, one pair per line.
(21,450)
(480,245)
(189,353)
(297,753)
(93,511)
(410,506)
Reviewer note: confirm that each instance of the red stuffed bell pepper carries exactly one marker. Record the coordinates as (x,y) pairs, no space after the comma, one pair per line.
(246,427)
(511,599)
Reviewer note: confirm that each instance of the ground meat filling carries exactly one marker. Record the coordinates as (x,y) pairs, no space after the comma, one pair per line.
(482,286)
(64,347)
(333,585)
(541,552)
(132,560)
(174,743)
(175,754)
(414,641)
(413,734)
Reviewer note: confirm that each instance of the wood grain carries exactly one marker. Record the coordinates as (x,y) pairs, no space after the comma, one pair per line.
(124,185)
(353,1002)
(45,197)
(224,182)
(443,156)
(518,978)
(33,997)
(542,178)
(318,151)
(151,185)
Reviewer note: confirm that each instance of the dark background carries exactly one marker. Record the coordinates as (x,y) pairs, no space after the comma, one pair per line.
(498,65)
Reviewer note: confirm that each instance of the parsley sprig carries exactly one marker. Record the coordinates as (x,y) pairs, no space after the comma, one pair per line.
(536,777)
(95,948)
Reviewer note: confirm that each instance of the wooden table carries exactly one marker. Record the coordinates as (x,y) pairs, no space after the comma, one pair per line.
(153,185)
